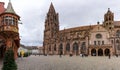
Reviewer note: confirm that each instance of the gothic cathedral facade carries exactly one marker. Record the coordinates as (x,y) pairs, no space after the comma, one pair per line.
(95,40)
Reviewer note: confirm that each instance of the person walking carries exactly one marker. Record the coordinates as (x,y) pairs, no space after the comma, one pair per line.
(60,54)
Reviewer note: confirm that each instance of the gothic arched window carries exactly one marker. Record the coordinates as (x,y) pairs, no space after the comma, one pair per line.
(68,47)
(118,33)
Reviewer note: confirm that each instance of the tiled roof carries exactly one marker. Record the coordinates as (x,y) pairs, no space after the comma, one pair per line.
(29,47)
(78,28)
(117,23)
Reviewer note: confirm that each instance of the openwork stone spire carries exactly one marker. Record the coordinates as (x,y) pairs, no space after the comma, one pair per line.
(51,9)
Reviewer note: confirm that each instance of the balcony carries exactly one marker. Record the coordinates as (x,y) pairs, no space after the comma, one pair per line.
(9,29)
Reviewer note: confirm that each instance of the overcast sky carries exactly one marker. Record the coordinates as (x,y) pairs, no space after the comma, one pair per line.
(72,13)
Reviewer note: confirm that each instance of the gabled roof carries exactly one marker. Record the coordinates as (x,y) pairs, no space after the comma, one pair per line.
(10,8)
(116,23)
(99,28)
(79,28)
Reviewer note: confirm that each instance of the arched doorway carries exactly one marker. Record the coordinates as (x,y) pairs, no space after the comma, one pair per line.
(100,52)
(107,52)
(55,47)
(83,48)
(93,52)
(54,52)
(61,49)
(67,48)
(75,48)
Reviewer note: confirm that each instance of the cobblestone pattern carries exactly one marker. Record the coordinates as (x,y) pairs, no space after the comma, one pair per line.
(68,63)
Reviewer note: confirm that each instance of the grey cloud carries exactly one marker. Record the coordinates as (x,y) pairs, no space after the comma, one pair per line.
(72,13)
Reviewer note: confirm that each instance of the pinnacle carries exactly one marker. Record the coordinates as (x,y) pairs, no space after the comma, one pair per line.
(51,9)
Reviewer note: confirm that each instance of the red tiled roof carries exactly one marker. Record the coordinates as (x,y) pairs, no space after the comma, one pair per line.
(78,28)
(117,23)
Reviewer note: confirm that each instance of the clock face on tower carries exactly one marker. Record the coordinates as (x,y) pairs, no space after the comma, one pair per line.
(98,36)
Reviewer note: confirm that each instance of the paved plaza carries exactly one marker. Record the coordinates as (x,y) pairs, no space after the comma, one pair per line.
(68,63)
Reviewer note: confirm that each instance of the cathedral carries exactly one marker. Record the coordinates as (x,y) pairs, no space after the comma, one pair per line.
(9,31)
(101,39)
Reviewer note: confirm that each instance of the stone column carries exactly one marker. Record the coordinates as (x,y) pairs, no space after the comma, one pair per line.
(111,53)
(87,42)
(46,49)
(71,48)
(79,52)
(96,52)
(103,51)
(64,48)
(57,48)
(89,52)
(51,52)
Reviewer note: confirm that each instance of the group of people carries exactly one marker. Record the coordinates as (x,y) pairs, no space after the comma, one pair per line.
(84,55)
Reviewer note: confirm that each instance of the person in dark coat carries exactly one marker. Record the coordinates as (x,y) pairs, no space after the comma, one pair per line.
(60,53)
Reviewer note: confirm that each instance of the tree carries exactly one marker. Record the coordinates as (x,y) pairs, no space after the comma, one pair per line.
(9,61)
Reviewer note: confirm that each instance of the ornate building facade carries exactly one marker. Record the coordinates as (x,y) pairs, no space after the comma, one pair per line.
(9,31)
(95,40)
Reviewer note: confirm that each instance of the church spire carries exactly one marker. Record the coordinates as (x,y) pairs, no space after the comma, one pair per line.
(108,20)
(51,9)
(109,11)
(10,8)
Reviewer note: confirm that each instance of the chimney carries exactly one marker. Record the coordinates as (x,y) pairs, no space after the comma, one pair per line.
(2,9)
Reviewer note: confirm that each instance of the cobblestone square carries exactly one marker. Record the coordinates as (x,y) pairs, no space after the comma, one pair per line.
(68,63)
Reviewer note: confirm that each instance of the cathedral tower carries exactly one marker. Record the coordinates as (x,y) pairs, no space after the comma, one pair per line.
(51,28)
(109,20)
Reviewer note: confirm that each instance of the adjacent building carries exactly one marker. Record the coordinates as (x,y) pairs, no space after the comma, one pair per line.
(101,39)
(29,49)
(9,31)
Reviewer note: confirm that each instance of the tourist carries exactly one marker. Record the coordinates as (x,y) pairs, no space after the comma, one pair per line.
(70,54)
(60,54)
(80,55)
(116,55)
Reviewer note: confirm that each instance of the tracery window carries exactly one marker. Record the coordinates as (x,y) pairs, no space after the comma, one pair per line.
(118,33)
(98,36)
(118,47)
